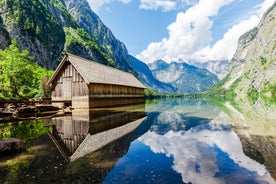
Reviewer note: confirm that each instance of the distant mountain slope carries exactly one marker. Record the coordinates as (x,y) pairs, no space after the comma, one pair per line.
(220,68)
(144,74)
(186,78)
(92,24)
(252,71)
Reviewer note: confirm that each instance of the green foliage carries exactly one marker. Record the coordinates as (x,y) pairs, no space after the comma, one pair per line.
(25,130)
(20,77)
(217,89)
(252,94)
(263,60)
(80,38)
(68,19)
(268,94)
(35,19)
(149,93)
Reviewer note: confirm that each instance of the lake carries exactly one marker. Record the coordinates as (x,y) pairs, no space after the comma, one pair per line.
(161,141)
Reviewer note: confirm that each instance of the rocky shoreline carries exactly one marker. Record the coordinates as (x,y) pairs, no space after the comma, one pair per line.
(12,145)
(17,112)
(23,110)
(10,112)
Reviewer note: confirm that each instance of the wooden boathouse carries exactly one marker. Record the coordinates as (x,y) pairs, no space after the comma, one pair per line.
(82,83)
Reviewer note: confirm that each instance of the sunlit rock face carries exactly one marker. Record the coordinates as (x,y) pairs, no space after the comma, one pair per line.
(252,71)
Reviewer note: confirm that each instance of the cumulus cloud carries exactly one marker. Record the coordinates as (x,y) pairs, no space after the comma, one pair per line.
(190,35)
(224,48)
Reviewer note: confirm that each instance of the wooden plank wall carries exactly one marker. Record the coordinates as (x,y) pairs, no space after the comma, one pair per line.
(69,73)
(109,90)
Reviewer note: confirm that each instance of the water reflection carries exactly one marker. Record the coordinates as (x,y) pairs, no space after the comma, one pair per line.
(166,141)
(256,126)
(201,152)
(197,141)
(88,130)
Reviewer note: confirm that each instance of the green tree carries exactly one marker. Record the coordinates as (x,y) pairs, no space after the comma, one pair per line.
(20,76)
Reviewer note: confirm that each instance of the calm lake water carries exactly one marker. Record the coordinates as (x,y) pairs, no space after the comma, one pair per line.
(162,141)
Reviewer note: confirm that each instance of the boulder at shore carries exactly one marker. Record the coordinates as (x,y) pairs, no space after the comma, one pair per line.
(12,145)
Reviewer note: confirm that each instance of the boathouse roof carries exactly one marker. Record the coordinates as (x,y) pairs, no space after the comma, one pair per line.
(93,72)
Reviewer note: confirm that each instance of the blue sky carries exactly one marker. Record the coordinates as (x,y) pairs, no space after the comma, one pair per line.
(180,30)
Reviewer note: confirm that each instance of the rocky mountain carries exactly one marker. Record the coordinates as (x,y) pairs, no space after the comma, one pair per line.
(92,24)
(46,29)
(220,68)
(252,73)
(184,77)
(145,75)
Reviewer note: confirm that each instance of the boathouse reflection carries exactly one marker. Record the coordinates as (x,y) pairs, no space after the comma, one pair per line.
(86,131)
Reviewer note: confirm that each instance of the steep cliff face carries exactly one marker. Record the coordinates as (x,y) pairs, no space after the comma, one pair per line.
(184,77)
(4,36)
(102,35)
(46,29)
(35,28)
(253,67)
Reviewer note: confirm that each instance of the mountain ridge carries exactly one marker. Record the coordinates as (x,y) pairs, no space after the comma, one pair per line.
(184,77)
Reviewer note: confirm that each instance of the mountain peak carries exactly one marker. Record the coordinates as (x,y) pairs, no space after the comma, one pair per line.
(184,77)
(158,64)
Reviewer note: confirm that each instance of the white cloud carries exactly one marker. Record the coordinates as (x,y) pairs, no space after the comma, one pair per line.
(191,31)
(164,5)
(96,4)
(225,48)
(190,35)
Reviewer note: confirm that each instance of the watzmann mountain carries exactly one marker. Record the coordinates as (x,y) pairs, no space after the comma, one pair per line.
(184,77)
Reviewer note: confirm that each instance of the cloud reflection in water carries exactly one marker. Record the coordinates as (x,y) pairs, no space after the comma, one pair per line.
(195,153)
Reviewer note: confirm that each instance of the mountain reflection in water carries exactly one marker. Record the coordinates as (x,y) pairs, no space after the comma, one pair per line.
(162,141)
(197,141)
